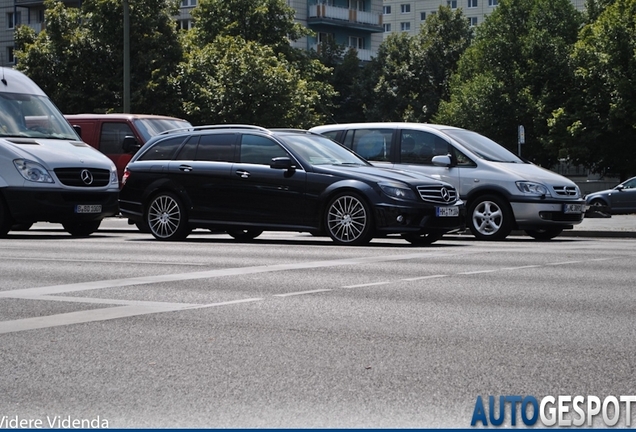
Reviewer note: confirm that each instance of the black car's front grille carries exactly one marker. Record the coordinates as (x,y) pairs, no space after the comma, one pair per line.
(437,194)
(83,177)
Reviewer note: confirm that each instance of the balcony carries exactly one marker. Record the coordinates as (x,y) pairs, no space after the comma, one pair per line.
(344,17)
(363,54)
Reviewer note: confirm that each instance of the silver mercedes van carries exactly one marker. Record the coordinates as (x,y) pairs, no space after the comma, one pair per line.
(47,174)
(502,192)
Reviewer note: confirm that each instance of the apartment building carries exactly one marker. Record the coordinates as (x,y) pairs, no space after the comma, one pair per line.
(407,16)
(356,23)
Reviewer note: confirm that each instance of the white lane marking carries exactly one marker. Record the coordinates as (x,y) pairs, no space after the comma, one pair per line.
(424,277)
(13,258)
(116,302)
(302,292)
(367,284)
(520,267)
(565,262)
(478,272)
(177,277)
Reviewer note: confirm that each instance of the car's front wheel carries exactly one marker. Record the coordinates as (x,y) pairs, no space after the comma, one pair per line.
(490,218)
(422,239)
(244,234)
(544,234)
(348,220)
(166,217)
(81,229)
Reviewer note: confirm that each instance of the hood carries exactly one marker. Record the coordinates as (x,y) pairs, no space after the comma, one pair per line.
(531,172)
(54,153)
(377,174)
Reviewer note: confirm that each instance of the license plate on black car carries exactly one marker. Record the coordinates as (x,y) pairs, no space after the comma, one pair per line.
(573,208)
(92,208)
(447,211)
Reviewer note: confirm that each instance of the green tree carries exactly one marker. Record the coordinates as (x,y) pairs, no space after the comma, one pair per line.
(596,127)
(515,73)
(412,74)
(78,58)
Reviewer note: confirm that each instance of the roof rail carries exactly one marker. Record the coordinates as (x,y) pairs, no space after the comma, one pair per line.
(219,126)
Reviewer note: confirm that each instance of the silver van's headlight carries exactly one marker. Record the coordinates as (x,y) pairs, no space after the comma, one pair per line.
(113,176)
(400,192)
(32,171)
(532,188)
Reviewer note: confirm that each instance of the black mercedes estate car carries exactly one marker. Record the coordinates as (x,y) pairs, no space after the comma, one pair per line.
(246,179)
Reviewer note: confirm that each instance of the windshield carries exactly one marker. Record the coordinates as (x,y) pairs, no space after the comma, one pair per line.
(32,116)
(319,150)
(151,127)
(483,147)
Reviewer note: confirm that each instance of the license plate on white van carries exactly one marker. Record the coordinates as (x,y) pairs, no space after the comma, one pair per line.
(447,211)
(573,208)
(96,208)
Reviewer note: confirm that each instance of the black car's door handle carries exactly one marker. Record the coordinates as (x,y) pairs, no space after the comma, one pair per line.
(243,174)
(186,168)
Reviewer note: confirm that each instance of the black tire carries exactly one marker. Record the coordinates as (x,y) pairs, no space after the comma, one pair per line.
(490,218)
(21,227)
(166,217)
(142,227)
(422,239)
(348,220)
(81,229)
(544,234)
(5,219)
(244,234)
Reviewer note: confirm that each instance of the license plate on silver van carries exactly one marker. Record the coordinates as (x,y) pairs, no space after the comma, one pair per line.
(452,211)
(573,208)
(95,208)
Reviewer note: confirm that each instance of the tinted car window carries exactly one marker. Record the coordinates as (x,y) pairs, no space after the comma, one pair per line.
(419,147)
(259,150)
(112,137)
(217,148)
(371,144)
(163,150)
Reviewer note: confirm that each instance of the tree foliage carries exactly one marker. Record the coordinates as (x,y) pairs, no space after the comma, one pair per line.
(596,126)
(516,73)
(78,58)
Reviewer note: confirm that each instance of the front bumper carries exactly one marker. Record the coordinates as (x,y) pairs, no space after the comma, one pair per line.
(536,215)
(28,205)
(392,219)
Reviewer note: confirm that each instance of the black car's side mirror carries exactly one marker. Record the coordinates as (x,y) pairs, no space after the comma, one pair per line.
(282,163)
(130,144)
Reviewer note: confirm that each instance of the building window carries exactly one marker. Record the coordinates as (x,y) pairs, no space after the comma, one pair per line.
(10,57)
(492,3)
(452,4)
(188,3)
(13,20)
(387,28)
(405,26)
(406,8)
(356,42)
(185,24)
(472,3)
(386,10)
(356,4)
(422,16)
(472,21)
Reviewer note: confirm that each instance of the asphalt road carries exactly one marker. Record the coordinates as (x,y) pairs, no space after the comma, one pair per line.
(293,331)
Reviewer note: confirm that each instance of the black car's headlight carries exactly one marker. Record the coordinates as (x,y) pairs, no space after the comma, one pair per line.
(399,192)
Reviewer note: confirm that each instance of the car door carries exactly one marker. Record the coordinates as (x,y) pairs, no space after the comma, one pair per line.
(624,201)
(202,169)
(373,144)
(111,139)
(265,195)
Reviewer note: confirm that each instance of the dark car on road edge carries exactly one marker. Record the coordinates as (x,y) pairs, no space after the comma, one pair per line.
(246,179)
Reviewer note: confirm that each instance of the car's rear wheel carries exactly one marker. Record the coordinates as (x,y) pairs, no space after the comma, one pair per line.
(244,234)
(81,229)
(166,217)
(544,234)
(348,220)
(490,218)
(422,239)
(5,219)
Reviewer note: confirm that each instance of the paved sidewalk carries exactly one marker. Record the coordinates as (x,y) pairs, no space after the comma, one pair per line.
(615,226)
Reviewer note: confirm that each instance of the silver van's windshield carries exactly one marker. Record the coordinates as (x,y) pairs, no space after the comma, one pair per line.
(154,126)
(483,147)
(32,117)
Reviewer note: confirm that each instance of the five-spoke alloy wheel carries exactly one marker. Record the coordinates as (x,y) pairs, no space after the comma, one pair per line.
(490,218)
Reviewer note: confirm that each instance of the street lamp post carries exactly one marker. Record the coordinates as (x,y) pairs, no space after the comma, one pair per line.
(126,56)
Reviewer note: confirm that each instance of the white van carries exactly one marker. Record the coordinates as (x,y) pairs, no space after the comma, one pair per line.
(47,174)
(502,192)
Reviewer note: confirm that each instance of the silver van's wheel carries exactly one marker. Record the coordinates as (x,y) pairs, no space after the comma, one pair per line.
(490,218)
(348,220)
(166,217)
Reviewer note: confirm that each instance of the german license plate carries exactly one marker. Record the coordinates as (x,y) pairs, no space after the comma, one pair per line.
(573,208)
(96,208)
(452,211)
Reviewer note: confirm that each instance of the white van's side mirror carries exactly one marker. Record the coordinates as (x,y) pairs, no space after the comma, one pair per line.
(444,161)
